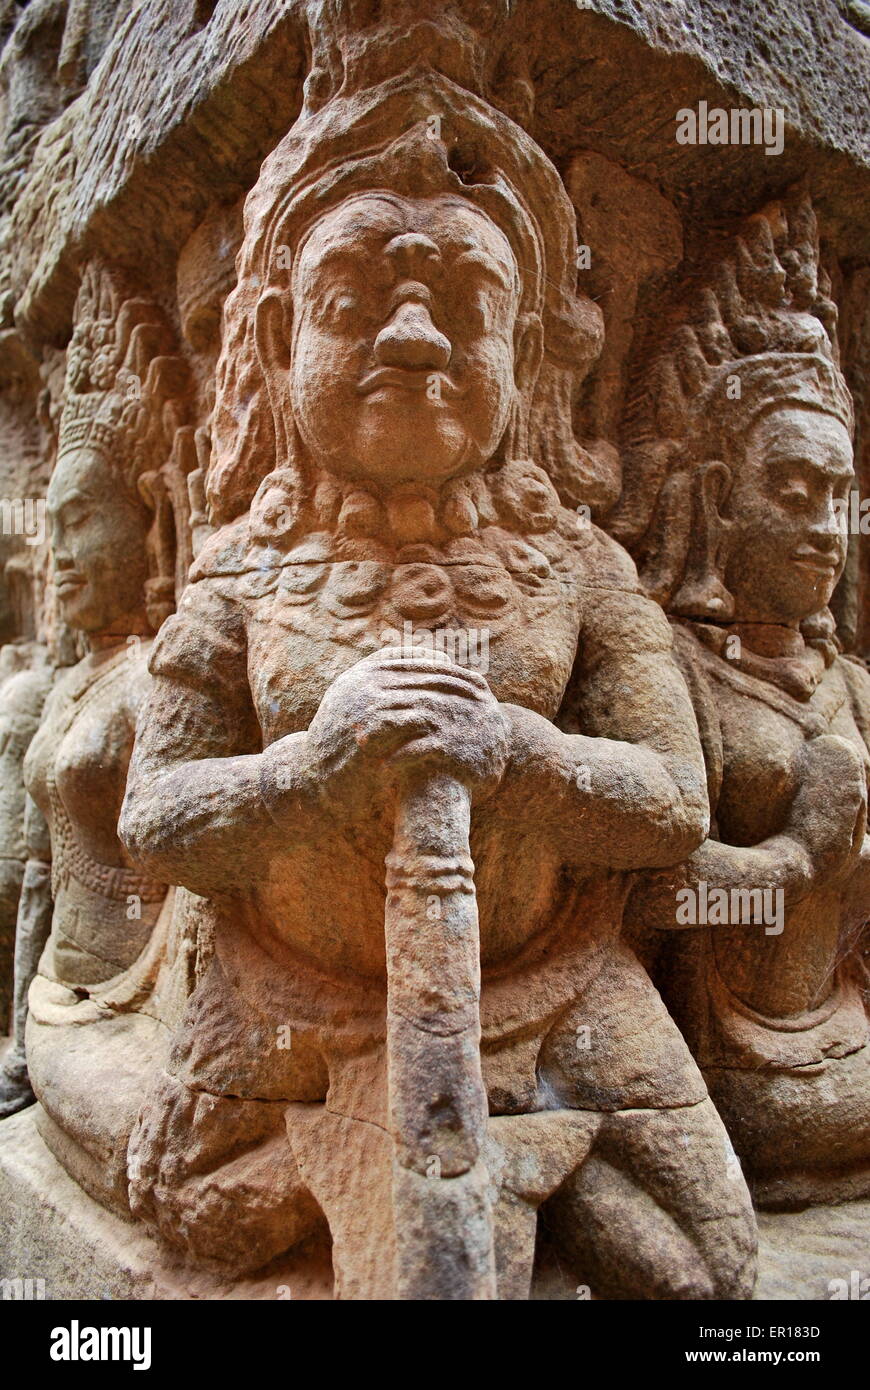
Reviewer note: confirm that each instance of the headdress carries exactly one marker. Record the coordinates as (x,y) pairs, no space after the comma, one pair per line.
(414,135)
(756,332)
(125,399)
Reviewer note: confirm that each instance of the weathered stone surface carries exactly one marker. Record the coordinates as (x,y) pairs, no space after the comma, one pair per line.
(57,1233)
(443,579)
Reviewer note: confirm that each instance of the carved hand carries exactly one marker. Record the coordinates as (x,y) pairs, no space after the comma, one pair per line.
(818,844)
(829,813)
(393,714)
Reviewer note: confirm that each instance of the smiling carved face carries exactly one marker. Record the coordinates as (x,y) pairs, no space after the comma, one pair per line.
(404,346)
(788,545)
(98,545)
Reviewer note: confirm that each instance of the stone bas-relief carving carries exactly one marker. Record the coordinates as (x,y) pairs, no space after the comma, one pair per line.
(24,681)
(354,951)
(90,1020)
(395,364)
(26,887)
(746,427)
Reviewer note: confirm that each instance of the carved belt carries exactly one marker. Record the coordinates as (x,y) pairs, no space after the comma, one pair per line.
(70,860)
(106,880)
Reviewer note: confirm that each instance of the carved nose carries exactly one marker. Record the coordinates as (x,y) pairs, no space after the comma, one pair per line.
(411,340)
(826,530)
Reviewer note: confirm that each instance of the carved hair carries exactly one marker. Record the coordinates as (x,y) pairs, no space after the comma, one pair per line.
(125,398)
(426,137)
(757,333)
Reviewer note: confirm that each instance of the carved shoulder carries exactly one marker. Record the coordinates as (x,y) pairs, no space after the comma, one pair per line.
(203,644)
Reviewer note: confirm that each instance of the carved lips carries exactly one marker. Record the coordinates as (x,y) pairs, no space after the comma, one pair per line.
(816,560)
(437,384)
(67,581)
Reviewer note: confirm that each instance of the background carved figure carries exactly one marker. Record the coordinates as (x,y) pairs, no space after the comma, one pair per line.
(90,1024)
(748,492)
(24,679)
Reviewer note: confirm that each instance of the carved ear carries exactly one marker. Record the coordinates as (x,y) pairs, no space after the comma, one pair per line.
(272,329)
(702,593)
(528,352)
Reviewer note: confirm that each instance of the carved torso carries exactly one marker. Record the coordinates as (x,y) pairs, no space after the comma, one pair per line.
(75,771)
(280,633)
(754,731)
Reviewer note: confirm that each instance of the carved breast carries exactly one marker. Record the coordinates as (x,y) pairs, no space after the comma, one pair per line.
(79,757)
(763,732)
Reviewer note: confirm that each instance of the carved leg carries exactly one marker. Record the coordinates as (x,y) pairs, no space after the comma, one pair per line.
(660,1209)
(803,1135)
(216,1178)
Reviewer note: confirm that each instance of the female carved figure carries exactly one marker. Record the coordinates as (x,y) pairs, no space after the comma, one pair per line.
(744,429)
(24,680)
(114,582)
(26,892)
(394,400)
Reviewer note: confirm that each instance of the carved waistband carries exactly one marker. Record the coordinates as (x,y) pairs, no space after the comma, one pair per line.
(106,880)
(71,860)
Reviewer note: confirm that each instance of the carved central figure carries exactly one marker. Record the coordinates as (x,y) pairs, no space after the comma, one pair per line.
(423,1054)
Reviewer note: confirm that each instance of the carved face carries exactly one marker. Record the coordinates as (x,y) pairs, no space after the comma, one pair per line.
(98,543)
(787,549)
(403,358)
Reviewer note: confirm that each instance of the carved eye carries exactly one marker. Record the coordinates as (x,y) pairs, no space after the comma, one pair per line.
(795,493)
(341,305)
(479,311)
(75,515)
